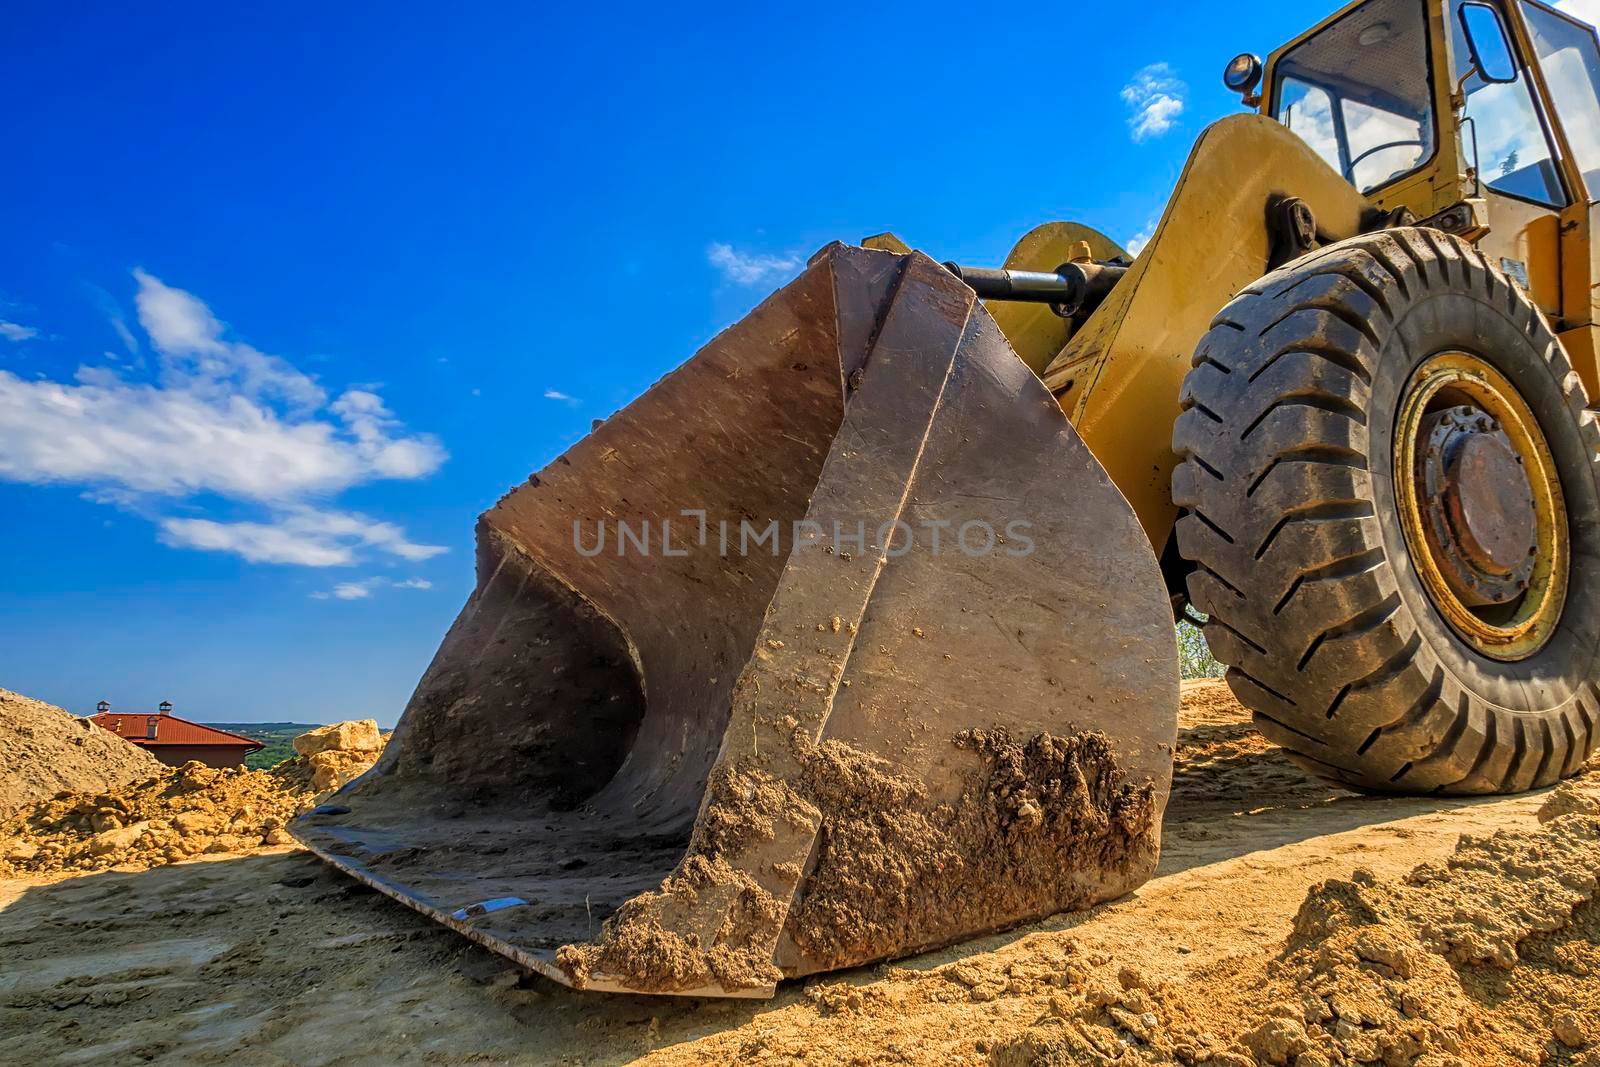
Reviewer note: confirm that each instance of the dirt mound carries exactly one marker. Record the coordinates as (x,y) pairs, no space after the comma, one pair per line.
(45,750)
(175,814)
(1489,957)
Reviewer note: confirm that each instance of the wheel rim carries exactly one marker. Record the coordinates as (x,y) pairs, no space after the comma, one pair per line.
(1481,505)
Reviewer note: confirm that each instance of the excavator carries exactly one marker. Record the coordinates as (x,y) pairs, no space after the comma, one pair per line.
(853,637)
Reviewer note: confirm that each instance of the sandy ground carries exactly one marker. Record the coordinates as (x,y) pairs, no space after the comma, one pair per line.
(273,958)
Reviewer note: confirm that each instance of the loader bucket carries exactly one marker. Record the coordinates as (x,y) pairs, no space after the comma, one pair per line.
(835,646)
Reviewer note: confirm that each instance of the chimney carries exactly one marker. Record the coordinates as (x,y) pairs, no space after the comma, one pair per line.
(103,707)
(165,707)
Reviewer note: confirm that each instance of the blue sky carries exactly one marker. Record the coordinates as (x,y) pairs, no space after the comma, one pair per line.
(289,295)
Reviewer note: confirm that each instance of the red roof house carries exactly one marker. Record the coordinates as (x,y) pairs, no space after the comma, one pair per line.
(176,741)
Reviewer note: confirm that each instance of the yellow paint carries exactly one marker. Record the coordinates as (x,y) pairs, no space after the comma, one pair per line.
(1120,378)
(1583,345)
(887,242)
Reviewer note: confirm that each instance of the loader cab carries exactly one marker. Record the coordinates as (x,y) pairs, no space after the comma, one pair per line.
(1429,104)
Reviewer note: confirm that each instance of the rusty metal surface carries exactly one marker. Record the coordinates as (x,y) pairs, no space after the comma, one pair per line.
(1482,522)
(558,751)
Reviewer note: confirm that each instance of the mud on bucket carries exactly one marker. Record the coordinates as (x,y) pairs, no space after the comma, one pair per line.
(835,646)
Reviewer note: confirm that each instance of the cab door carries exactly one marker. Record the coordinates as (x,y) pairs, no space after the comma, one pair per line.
(1566,69)
(1508,139)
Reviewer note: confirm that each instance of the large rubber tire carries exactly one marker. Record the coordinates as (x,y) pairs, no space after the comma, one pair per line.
(1300,559)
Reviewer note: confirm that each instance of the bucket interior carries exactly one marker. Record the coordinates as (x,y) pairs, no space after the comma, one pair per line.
(558,747)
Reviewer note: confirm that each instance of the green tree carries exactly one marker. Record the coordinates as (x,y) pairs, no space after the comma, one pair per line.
(1194,656)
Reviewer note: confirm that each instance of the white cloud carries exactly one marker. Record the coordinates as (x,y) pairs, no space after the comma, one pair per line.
(220,418)
(364,415)
(196,358)
(112,310)
(14,332)
(1588,10)
(743,268)
(1137,242)
(107,431)
(129,342)
(1155,99)
(364,589)
(554,394)
(304,536)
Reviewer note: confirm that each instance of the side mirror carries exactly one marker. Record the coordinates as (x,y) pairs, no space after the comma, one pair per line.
(1487,45)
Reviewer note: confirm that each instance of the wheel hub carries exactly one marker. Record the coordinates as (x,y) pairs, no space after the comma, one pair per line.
(1480,503)
(1482,522)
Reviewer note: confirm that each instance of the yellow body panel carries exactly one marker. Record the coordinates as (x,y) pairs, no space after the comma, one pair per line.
(1583,346)
(1120,378)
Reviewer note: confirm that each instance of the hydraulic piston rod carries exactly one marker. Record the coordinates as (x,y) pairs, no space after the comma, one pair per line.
(1072,289)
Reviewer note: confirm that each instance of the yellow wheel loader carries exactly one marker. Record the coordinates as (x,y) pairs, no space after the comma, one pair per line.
(853,637)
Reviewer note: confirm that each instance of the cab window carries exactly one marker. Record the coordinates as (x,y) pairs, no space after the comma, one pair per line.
(1569,54)
(1502,126)
(1358,93)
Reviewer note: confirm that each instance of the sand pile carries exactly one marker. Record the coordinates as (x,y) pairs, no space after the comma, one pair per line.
(44,750)
(1490,957)
(175,814)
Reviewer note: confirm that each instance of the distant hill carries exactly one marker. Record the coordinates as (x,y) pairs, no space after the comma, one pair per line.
(277,736)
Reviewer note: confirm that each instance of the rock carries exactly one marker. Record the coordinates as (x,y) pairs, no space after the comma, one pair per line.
(1568,799)
(356,736)
(192,823)
(277,837)
(21,851)
(118,840)
(229,843)
(1569,1030)
(1277,1041)
(324,770)
(105,819)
